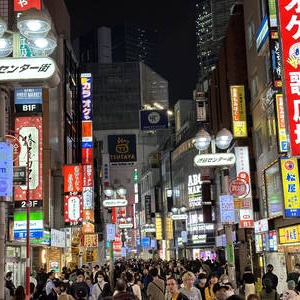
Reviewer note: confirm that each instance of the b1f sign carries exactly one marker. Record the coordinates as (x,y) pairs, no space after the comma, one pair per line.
(6,169)
(290,35)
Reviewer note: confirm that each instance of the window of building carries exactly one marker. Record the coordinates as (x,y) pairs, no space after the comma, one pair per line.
(254,87)
(250,34)
(258,142)
(271,127)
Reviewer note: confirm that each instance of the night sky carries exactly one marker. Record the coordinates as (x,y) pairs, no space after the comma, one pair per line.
(174,21)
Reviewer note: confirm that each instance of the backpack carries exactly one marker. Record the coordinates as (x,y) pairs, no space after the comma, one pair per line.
(130,291)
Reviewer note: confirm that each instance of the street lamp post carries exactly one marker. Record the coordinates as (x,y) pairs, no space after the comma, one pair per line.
(113,194)
(34,26)
(222,160)
(179,214)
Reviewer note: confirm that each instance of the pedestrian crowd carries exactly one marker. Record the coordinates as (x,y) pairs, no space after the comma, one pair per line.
(153,280)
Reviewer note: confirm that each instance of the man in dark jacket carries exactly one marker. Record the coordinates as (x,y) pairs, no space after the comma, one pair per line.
(9,283)
(270,275)
(172,288)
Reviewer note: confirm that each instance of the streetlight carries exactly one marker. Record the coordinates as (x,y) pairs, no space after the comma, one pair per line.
(34,26)
(222,141)
(179,214)
(117,199)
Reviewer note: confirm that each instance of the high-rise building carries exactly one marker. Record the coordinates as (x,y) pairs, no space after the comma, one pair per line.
(133,43)
(211,23)
(121,89)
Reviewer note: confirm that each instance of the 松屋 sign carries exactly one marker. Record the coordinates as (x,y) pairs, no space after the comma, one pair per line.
(290,33)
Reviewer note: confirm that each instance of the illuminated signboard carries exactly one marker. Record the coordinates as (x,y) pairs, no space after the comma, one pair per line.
(122,148)
(153,119)
(72,178)
(6,169)
(290,34)
(36,224)
(87,197)
(291,186)
(273,240)
(274,191)
(87,175)
(238,107)
(158,227)
(261,226)
(227,209)
(28,100)
(282,135)
(58,238)
(86,96)
(243,172)
(276,59)
(21,5)
(73,209)
(31,129)
(90,240)
(115,202)
(262,34)
(214,160)
(195,190)
(27,69)
(289,234)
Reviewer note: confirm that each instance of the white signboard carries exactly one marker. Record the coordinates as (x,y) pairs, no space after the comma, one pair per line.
(179,217)
(58,238)
(115,202)
(26,69)
(214,160)
(261,226)
(126,225)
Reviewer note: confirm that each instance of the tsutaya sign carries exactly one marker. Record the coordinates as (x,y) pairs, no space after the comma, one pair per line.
(28,70)
(214,160)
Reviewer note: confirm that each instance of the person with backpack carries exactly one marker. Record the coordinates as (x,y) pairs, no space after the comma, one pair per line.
(156,288)
(101,289)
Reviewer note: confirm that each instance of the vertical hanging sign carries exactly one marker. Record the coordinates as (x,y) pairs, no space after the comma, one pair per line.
(290,33)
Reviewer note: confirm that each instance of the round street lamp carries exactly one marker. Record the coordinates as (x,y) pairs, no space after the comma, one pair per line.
(224,139)
(202,140)
(3,27)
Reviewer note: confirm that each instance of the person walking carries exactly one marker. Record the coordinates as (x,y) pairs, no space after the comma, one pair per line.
(172,290)
(156,288)
(102,287)
(294,275)
(188,289)
(121,292)
(273,277)
(268,293)
(209,293)
(9,283)
(248,282)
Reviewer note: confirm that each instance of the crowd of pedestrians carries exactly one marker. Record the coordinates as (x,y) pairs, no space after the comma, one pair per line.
(153,280)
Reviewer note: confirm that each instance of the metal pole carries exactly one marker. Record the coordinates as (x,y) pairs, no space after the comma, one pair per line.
(2,201)
(27,225)
(228,232)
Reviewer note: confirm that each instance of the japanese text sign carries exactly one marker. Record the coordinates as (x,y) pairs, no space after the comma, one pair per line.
(290,33)
(31,129)
(73,209)
(238,107)
(72,178)
(86,96)
(282,134)
(26,69)
(227,209)
(289,234)
(291,186)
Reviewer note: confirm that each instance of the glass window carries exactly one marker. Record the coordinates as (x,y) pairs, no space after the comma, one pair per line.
(258,142)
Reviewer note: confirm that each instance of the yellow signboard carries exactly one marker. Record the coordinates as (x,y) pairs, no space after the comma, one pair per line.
(169,229)
(238,110)
(291,186)
(289,234)
(158,228)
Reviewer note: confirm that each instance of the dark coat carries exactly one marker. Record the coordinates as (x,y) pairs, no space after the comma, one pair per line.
(124,296)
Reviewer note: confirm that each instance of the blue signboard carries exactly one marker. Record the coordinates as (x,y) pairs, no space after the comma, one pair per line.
(153,119)
(6,169)
(110,232)
(28,100)
(146,242)
(262,34)
(86,96)
(87,144)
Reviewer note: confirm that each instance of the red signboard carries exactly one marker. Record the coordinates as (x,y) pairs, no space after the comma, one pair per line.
(87,175)
(238,188)
(87,156)
(21,5)
(290,35)
(73,208)
(31,129)
(72,178)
